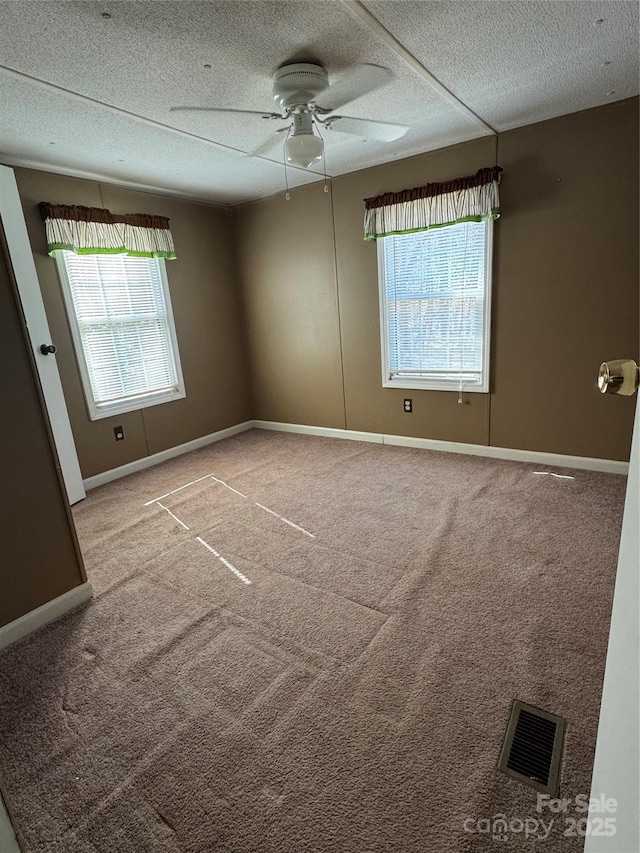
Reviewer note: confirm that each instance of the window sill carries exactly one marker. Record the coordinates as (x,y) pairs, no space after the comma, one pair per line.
(435,385)
(133,404)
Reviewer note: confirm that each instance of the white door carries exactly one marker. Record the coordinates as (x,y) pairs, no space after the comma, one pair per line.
(24,270)
(615,826)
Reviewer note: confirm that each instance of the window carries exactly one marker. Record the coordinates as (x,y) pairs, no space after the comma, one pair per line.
(435,307)
(120,316)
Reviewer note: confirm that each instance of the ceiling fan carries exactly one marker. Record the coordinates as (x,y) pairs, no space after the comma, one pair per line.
(303,96)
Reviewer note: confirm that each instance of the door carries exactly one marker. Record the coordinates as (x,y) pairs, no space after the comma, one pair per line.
(24,270)
(617,762)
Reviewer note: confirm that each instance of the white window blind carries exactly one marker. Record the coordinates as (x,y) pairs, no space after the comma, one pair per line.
(434,301)
(123,326)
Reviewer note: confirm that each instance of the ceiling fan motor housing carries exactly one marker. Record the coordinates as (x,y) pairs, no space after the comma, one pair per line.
(298,84)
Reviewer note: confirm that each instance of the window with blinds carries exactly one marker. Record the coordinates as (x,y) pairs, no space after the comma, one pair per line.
(120,316)
(435,295)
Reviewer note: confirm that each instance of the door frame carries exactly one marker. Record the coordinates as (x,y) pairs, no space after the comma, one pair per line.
(21,262)
(616,766)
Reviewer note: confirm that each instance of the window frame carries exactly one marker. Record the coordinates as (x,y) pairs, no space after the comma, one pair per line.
(430,383)
(128,404)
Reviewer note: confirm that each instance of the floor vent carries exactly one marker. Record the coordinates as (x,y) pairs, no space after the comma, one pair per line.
(532,748)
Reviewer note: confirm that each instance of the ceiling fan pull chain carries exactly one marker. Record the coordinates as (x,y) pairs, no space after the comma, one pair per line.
(287,195)
(324,155)
(324,168)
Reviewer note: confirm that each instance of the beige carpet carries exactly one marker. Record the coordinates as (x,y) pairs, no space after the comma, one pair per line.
(315,652)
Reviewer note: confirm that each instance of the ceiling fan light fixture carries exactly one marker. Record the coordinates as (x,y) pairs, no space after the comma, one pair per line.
(307,102)
(303,149)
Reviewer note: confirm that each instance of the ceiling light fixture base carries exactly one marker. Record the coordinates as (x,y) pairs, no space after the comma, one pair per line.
(298,83)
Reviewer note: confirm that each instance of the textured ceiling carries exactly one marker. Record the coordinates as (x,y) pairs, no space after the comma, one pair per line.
(87,95)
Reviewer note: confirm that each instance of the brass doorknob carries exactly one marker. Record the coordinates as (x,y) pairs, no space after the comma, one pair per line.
(618,377)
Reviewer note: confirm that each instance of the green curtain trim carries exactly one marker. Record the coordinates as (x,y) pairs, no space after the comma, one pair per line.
(493,214)
(168,256)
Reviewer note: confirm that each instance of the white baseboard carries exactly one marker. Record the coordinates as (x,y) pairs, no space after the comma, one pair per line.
(326,432)
(538,457)
(611,466)
(588,463)
(163,455)
(44,614)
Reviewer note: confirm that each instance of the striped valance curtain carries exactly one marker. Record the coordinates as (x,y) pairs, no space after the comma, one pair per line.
(473,198)
(96,231)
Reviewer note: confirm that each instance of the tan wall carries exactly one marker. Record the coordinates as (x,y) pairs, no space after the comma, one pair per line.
(39,559)
(206,309)
(285,253)
(567,282)
(565,293)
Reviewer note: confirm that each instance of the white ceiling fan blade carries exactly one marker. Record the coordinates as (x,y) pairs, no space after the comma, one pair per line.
(223,110)
(376,131)
(269,144)
(359,81)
